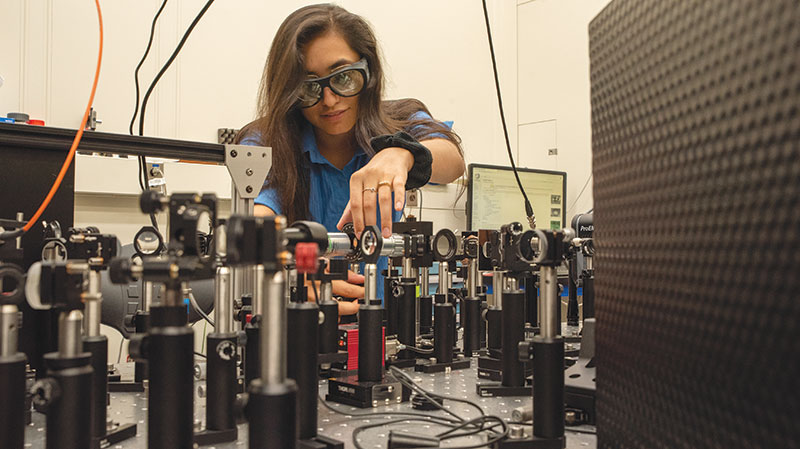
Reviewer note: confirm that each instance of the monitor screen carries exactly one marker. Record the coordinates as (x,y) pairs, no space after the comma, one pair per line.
(494,197)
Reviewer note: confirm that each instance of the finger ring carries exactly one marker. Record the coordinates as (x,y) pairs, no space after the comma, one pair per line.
(384,183)
(370,189)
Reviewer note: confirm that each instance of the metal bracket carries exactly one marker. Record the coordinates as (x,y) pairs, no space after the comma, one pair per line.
(248,166)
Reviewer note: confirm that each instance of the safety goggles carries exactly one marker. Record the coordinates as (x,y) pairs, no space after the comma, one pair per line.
(348,81)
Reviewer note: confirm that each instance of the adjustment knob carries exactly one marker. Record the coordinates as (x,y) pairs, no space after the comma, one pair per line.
(151,201)
(525,351)
(120,270)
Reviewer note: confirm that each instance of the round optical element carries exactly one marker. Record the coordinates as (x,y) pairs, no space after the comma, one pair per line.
(369,243)
(445,245)
(148,242)
(347,83)
(310,93)
(202,236)
(529,246)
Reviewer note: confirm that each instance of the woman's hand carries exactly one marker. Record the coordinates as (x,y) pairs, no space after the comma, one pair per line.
(353,287)
(373,185)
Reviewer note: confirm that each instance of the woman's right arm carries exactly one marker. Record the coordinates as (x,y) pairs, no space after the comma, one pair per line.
(261,210)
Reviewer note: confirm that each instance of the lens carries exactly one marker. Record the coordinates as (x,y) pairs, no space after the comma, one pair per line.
(310,92)
(347,83)
(148,242)
(445,245)
(369,243)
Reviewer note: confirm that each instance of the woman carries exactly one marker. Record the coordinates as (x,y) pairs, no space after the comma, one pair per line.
(338,151)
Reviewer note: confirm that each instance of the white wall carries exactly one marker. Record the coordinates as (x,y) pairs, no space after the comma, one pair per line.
(553,91)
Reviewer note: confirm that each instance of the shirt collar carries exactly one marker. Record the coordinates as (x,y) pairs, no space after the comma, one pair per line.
(308,142)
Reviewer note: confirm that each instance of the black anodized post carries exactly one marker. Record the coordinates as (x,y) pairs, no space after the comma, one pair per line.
(425,315)
(407,322)
(443,323)
(548,386)
(512,332)
(472,325)
(329,329)
(482,307)
(494,338)
(588,295)
(97,346)
(221,381)
(572,301)
(12,398)
(531,300)
(391,304)
(69,421)
(301,362)
(170,356)
(141,322)
(370,351)
(252,353)
(271,412)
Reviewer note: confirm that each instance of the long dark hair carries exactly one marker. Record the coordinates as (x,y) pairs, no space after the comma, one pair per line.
(281,121)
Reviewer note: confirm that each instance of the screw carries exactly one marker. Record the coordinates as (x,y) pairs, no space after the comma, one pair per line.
(249,172)
(249,189)
(234,153)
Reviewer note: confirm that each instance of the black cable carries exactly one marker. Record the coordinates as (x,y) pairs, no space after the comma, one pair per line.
(142,163)
(405,379)
(196,307)
(528,207)
(8,235)
(419,350)
(386,414)
(575,202)
(453,425)
(139,66)
(481,419)
(314,287)
(169,63)
(200,354)
(360,429)
(153,86)
(419,193)
(473,432)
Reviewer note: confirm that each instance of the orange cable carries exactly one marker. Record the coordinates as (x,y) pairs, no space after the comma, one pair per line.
(78,135)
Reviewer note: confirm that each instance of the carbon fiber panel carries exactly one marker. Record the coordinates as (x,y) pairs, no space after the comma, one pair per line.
(696,141)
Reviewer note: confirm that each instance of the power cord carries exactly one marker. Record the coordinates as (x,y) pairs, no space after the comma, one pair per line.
(471,426)
(528,208)
(164,68)
(169,63)
(144,181)
(136,77)
(199,311)
(416,349)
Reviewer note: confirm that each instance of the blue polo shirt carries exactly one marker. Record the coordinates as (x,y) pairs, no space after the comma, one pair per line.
(329,189)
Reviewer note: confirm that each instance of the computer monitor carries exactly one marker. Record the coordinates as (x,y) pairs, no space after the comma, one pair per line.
(494,198)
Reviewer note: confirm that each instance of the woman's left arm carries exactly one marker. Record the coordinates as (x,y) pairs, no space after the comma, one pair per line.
(387,172)
(448,163)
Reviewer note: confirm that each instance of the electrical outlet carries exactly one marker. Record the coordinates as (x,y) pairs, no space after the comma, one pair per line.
(412,198)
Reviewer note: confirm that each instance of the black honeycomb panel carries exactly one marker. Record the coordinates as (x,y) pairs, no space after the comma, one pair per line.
(226,135)
(696,161)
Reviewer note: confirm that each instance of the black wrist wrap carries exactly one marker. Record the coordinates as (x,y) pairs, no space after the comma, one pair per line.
(420,172)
